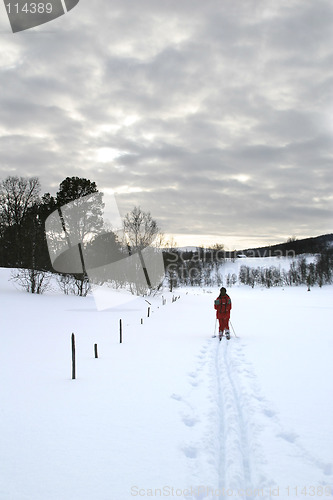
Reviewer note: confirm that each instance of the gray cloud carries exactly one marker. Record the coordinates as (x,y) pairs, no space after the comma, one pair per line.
(215,116)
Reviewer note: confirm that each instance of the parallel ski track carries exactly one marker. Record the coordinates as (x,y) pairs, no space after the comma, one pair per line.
(241,465)
(234,455)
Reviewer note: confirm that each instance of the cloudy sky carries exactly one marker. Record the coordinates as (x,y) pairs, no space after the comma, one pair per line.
(214,115)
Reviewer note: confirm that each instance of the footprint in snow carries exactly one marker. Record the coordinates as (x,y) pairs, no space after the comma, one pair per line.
(177,397)
(190,451)
(327,469)
(189,421)
(200,495)
(193,381)
(288,436)
(259,398)
(269,414)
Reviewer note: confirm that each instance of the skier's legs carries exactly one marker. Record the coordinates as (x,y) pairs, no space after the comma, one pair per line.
(224,326)
(224,323)
(227,331)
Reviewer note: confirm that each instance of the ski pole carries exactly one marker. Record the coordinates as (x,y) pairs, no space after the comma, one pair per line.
(215,329)
(234,331)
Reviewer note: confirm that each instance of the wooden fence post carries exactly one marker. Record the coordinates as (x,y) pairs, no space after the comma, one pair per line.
(73,358)
(96,352)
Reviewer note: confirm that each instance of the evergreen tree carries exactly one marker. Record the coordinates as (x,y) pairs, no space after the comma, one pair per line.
(87,217)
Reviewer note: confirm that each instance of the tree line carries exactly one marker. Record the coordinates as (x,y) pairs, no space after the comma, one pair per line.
(23,212)
(319,272)
(23,238)
(203,269)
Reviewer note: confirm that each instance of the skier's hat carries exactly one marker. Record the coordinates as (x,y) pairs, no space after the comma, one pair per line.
(223,291)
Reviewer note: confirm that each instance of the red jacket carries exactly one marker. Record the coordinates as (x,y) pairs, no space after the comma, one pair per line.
(223,306)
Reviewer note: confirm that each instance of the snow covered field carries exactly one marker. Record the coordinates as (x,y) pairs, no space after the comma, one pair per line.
(170,412)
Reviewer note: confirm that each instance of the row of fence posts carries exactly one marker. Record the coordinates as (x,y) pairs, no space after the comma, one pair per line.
(164,301)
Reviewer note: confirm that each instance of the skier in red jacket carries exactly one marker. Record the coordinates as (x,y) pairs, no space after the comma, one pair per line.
(223,306)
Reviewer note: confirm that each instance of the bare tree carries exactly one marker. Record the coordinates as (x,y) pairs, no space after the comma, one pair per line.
(140,228)
(71,284)
(31,280)
(17,195)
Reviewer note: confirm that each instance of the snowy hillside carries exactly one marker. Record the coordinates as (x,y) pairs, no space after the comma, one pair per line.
(170,412)
(213,269)
(283,263)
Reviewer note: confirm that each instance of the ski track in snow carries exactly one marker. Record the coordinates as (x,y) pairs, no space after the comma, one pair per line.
(239,453)
(234,448)
(232,458)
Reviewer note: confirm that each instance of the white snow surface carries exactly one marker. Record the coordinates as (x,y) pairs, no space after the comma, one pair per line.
(171,412)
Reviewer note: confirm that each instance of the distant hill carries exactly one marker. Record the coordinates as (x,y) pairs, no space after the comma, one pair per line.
(314,245)
(317,244)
